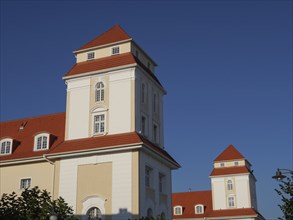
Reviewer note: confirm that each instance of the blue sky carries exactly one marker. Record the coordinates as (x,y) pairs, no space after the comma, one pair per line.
(226,66)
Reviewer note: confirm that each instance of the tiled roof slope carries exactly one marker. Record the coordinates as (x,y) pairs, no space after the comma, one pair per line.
(53,124)
(230,153)
(114,34)
(229,170)
(119,60)
(188,201)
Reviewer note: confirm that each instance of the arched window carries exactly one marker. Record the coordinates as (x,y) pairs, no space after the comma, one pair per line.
(94,213)
(149,213)
(199,209)
(229,185)
(6,146)
(178,210)
(100,92)
(42,141)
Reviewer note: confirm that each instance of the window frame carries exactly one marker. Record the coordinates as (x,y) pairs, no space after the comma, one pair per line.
(162,183)
(148,176)
(101,124)
(231,202)
(22,180)
(197,207)
(100,92)
(143,93)
(42,143)
(3,146)
(115,50)
(179,208)
(144,125)
(222,164)
(90,55)
(229,185)
(97,213)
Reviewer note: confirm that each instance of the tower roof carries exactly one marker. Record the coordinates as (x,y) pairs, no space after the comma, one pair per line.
(230,153)
(114,34)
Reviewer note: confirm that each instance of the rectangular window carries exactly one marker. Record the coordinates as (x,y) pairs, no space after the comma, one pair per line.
(222,164)
(91,55)
(155,131)
(178,210)
(115,50)
(25,183)
(236,163)
(99,124)
(143,93)
(155,103)
(143,125)
(161,182)
(148,176)
(231,202)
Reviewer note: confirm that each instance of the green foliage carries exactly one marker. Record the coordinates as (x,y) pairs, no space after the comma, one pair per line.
(33,204)
(286,193)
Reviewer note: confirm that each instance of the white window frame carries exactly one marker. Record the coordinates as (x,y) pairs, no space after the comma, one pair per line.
(199,209)
(155,102)
(177,210)
(229,185)
(231,201)
(25,183)
(100,92)
(222,164)
(156,133)
(162,183)
(236,163)
(6,146)
(90,55)
(41,137)
(144,125)
(144,93)
(115,50)
(102,124)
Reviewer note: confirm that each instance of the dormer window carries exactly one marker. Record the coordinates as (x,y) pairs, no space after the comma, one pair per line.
(6,146)
(222,164)
(115,50)
(199,209)
(91,55)
(236,163)
(42,141)
(178,210)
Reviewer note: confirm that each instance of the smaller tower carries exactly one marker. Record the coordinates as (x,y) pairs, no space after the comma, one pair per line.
(232,180)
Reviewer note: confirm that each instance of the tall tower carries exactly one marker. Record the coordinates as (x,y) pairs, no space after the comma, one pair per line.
(233,182)
(112,89)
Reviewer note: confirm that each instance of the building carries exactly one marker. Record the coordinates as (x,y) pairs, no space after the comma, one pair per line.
(105,155)
(233,194)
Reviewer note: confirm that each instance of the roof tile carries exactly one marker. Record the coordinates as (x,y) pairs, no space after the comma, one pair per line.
(230,153)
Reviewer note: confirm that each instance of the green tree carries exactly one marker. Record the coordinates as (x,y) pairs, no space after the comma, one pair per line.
(286,193)
(33,204)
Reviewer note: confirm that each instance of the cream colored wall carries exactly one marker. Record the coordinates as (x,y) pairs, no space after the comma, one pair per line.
(135,185)
(41,174)
(103,51)
(95,180)
(229,163)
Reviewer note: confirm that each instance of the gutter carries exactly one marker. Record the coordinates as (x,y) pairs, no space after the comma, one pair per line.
(50,161)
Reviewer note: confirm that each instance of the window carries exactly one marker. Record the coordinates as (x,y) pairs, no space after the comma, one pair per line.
(143,125)
(149,65)
(91,55)
(155,103)
(115,50)
(231,201)
(155,131)
(148,176)
(42,141)
(143,93)
(178,210)
(229,185)
(99,124)
(163,216)
(222,164)
(6,146)
(236,163)
(136,53)
(100,92)
(25,183)
(199,209)
(149,213)
(161,182)
(94,213)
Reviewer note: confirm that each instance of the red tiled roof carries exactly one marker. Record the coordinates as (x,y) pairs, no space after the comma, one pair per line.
(102,63)
(53,124)
(229,170)
(230,153)
(188,200)
(108,62)
(114,34)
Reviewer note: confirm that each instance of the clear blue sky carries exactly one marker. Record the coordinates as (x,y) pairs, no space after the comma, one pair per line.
(226,65)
